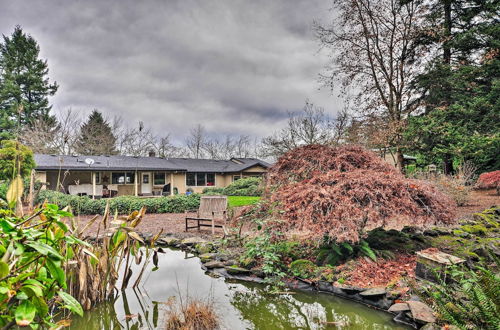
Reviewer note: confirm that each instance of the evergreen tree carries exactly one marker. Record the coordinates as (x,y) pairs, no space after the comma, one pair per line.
(24,83)
(96,137)
(462,116)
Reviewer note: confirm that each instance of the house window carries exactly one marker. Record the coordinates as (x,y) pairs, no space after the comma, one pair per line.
(210,179)
(159,178)
(97,177)
(200,179)
(190,179)
(122,177)
(145,178)
(236,177)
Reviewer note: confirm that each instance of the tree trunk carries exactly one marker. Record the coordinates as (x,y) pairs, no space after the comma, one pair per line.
(447,31)
(399,160)
(448,165)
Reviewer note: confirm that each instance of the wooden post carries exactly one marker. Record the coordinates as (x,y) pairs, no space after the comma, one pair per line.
(94,190)
(136,188)
(32,187)
(171,183)
(213,223)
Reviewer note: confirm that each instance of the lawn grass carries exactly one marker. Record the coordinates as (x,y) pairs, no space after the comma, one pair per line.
(235,201)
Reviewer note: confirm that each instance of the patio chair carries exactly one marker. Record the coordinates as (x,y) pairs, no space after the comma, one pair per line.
(211,208)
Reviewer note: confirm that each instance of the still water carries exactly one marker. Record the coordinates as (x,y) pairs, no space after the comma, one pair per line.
(240,305)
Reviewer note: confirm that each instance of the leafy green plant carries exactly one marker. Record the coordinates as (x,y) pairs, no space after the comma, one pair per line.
(262,249)
(470,299)
(35,251)
(303,268)
(332,253)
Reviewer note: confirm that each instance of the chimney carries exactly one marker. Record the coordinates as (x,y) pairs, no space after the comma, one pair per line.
(152,153)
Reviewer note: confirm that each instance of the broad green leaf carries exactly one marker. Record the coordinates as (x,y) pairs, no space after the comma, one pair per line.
(15,190)
(6,226)
(57,272)
(71,303)
(62,225)
(4,269)
(41,305)
(25,313)
(45,249)
(32,290)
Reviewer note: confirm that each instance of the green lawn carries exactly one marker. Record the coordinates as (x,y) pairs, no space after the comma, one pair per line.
(235,201)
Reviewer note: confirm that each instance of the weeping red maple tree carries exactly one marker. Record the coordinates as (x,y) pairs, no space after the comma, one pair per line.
(344,192)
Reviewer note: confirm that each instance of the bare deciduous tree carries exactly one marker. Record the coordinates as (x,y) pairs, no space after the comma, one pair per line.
(196,142)
(311,126)
(56,135)
(375,51)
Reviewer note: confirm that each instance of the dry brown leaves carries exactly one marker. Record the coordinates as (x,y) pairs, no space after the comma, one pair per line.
(366,273)
(343,192)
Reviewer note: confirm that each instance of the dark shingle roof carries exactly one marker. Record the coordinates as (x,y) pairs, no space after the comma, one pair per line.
(107,163)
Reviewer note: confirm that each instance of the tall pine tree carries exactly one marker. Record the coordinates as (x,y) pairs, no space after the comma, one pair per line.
(24,83)
(462,115)
(96,137)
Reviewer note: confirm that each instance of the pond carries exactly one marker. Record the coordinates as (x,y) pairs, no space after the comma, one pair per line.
(240,305)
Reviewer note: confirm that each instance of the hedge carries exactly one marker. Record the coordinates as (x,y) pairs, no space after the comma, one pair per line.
(122,204)
(241,187)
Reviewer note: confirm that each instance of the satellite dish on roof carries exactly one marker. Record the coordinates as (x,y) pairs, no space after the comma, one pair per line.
(89,161)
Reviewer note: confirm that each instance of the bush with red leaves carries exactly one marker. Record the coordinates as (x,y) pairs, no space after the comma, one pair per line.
(304,162)
(344,192)
(489,180)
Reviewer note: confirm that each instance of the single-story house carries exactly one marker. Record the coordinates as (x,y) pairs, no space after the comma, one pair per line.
(108,176)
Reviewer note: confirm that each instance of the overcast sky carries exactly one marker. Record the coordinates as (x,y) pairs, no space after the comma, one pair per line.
(236,67)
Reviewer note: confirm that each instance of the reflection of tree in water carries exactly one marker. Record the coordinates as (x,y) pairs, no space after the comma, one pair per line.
(301,311)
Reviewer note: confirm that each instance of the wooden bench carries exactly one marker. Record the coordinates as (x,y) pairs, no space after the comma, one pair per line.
(211,208)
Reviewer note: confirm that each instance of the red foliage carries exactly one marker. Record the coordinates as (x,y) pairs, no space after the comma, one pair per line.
(344,192)
(489,180)
(367,273)
(304,162)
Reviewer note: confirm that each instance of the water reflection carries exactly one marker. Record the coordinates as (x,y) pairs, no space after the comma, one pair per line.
(240,305)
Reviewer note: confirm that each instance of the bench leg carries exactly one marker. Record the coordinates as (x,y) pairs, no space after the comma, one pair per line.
(198,224)
(186,224)
(213,226)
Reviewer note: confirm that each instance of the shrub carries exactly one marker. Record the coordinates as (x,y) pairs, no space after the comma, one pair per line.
(10,153)
(489,180)
(122,204)
(303,268)
(454,187)
(344,192)
(243,187)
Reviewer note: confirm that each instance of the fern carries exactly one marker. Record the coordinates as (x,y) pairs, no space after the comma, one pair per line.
(366,250)
(471,300)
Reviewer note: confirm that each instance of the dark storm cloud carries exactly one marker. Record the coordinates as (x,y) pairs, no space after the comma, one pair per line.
(233,66)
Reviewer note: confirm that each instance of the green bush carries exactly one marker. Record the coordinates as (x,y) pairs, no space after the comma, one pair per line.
(242,187)
(122,204)
(3,190)
(303,268)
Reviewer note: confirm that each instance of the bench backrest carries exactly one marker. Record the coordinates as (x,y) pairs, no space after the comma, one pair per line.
(210,204)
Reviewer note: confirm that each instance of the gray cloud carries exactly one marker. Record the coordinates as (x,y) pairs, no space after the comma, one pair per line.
(234,66)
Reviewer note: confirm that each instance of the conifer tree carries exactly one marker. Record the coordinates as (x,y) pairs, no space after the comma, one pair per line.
(96,137)
(24,83)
